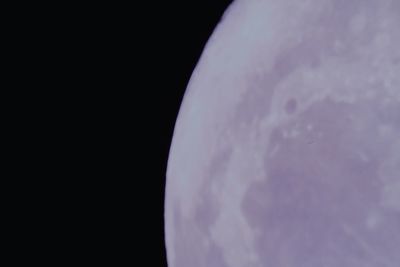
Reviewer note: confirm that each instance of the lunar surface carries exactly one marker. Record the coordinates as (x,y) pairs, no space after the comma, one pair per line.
(286,150)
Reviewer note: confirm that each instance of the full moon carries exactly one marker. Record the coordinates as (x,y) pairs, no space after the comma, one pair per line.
(286,150)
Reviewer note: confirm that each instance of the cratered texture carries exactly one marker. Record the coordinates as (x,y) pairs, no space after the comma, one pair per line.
(286,151)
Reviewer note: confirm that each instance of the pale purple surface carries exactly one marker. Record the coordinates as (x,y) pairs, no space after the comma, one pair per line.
(286,152)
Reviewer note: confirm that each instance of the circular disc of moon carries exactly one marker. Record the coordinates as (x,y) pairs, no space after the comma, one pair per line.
(286,150)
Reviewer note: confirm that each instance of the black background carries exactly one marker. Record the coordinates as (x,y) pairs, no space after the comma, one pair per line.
(180,32)
(109,81)
(104,86)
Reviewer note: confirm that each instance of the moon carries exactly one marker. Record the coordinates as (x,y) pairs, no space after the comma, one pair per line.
(286,150)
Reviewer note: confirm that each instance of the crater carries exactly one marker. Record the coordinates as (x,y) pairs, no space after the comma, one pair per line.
(291,106)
